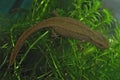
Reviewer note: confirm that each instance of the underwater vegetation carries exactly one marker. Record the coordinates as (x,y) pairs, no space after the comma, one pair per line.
(44,57)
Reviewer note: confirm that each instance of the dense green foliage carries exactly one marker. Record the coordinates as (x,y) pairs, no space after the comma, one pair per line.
(61,58)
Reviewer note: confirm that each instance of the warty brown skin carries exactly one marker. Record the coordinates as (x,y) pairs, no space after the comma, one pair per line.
(64,26)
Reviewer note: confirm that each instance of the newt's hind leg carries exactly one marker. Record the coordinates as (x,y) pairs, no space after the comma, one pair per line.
(54,34)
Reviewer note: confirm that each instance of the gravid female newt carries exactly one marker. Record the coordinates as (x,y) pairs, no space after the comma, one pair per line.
(64,26)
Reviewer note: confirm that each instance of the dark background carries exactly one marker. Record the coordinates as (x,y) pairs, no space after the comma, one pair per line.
(7,5)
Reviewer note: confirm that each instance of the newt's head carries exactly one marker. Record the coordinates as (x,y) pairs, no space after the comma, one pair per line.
(100,41)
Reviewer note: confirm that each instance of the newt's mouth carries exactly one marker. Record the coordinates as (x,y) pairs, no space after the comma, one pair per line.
(102,45)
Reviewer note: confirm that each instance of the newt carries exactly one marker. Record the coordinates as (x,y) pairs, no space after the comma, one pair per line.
(64,26)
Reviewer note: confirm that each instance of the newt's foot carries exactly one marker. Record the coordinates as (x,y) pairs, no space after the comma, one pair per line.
(79,45)
(54,34)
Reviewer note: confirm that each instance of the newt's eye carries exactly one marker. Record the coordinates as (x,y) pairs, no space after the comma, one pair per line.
(100,46)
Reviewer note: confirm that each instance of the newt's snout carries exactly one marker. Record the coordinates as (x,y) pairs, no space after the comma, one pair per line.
(103,45)
(100,41)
